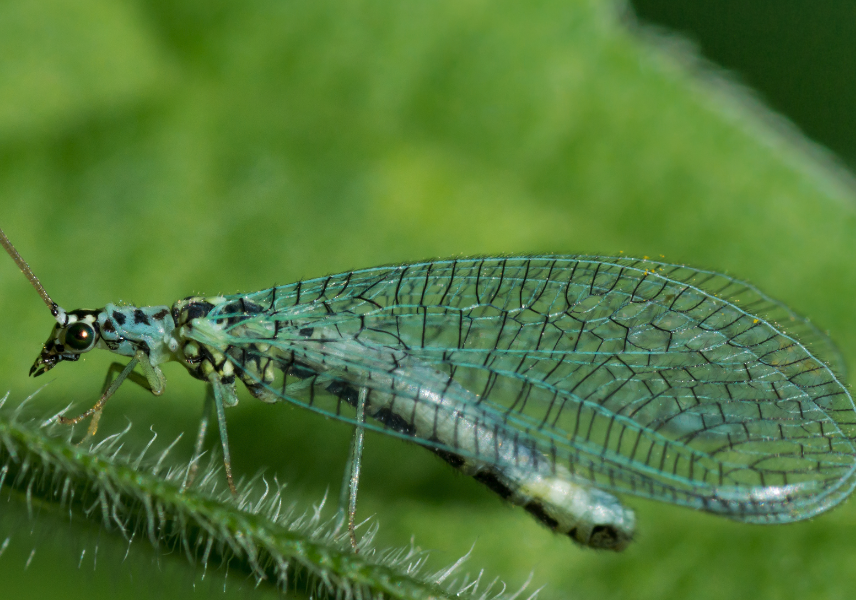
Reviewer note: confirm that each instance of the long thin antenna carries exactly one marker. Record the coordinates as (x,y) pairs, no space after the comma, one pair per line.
(58,313)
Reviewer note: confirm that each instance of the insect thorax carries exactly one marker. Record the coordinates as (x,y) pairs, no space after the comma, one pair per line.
(235,336)
(126,329)
(205,338)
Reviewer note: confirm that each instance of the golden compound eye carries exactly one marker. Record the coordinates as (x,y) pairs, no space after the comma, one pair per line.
(80,337)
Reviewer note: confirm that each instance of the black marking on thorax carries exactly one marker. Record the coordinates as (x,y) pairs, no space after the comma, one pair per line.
(194,310)
(243,306)
(197,310)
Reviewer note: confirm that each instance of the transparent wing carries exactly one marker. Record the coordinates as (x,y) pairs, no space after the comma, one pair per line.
(647,378)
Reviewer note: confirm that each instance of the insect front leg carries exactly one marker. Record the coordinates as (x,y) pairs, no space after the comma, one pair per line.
(153,379)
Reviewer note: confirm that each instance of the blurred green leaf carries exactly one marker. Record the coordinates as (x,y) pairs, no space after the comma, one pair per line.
(256,143)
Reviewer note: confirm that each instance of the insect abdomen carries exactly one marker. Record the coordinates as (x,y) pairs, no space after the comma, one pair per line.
(587,515)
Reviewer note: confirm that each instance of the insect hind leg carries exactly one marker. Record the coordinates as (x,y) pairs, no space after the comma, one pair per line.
(352,470)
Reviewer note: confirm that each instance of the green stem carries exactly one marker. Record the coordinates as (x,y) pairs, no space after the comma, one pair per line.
(116,493)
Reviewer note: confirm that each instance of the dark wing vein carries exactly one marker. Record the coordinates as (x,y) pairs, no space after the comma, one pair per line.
(658,380)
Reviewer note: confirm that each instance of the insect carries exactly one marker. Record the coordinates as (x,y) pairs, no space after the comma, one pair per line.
(556,381)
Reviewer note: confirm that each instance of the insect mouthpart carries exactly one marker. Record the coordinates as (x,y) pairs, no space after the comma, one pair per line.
(51,354)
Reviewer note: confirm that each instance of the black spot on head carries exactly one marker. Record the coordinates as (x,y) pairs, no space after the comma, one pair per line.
(493,484)
(159,315)
(140,317)
(118,317)
(537,511)
(82,313)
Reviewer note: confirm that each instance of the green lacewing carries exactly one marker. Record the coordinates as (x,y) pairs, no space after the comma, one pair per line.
(556,381)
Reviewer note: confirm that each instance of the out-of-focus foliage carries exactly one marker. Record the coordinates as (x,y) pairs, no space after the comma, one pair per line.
(149,151)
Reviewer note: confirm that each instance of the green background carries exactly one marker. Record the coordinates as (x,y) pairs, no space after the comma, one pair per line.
(149,151)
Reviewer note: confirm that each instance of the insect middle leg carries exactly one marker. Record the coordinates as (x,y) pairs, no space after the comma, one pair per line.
(224,394)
